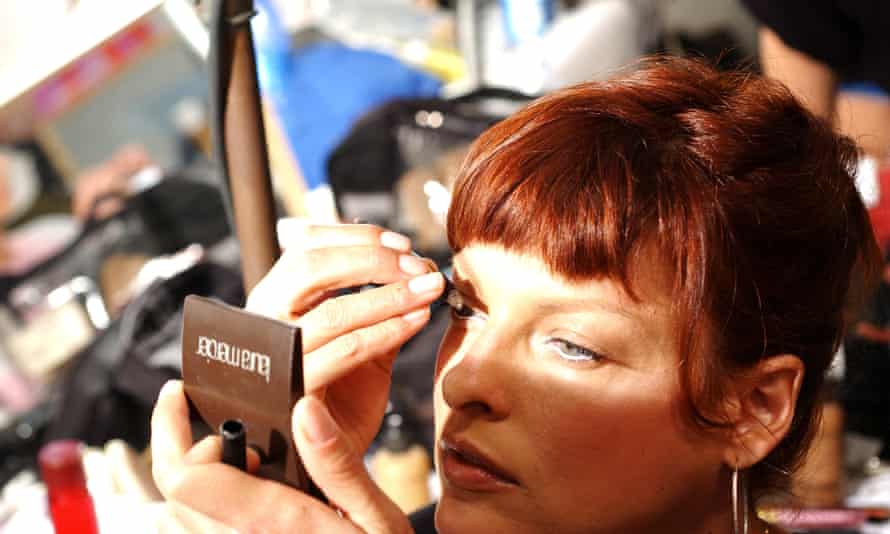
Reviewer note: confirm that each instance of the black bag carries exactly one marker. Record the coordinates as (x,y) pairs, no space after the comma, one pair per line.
(109,389)
(102,392)
(404,134)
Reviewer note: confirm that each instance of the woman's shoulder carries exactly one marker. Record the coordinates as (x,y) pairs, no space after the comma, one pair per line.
(424,520)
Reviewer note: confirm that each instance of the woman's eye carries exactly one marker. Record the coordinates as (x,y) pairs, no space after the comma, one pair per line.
(573,352)
(463,312)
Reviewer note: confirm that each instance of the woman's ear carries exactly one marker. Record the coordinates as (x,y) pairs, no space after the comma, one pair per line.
(763,409)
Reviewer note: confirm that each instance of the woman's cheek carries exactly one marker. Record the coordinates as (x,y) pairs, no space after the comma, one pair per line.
(592,430)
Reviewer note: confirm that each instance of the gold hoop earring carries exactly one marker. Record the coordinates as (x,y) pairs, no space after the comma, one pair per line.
(739,502)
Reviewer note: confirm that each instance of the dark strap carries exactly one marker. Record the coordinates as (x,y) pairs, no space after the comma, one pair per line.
(423,521)
(239,137)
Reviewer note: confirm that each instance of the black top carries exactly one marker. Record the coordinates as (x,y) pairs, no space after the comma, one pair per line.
(423,520)
(850,36)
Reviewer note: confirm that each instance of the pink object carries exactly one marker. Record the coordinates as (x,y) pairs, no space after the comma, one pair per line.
(37,241)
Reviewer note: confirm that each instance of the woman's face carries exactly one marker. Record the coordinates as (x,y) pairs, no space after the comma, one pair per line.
(559,406)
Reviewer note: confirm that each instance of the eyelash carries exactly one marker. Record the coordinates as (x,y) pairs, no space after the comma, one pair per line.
(459,310)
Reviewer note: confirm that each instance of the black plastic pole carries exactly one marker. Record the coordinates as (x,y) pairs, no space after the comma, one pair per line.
(239,137)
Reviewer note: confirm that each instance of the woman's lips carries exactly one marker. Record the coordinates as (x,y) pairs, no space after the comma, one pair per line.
(464,466)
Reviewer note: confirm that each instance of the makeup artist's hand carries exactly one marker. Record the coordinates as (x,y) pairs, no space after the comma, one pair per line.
(108,179)
(350,342)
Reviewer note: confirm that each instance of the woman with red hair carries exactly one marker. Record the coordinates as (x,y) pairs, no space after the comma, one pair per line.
(651,276)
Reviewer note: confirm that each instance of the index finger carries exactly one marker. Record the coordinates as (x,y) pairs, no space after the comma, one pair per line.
(301,279)
(300,232)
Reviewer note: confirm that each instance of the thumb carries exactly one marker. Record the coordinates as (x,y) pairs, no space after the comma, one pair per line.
(338,469)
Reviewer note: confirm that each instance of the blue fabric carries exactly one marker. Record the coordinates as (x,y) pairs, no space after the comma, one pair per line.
(327,87)
(867,88)
(517,13)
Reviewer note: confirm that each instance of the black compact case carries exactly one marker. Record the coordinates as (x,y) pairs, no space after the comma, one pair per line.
(240,366)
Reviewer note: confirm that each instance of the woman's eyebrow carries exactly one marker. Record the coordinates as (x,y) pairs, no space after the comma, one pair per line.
(585,304)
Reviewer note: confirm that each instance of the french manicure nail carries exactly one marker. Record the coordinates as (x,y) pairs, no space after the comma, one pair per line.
(290,230)
(412,265)
(416,316)
(395,241)
(169,388)
(425,283)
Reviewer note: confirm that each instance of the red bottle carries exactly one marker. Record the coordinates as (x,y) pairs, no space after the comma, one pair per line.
(70,504)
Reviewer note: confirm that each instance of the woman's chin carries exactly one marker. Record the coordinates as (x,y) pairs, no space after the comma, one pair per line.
(456,514)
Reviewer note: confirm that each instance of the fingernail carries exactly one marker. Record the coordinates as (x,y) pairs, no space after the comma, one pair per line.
(290,230)
(425,283)
(416,316)
(168,388)
(317,424)
(412,265)
(395,241)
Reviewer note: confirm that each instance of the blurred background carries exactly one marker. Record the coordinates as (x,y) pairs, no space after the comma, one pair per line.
(111,210)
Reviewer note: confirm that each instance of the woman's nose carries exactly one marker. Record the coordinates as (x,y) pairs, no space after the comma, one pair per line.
(478,383)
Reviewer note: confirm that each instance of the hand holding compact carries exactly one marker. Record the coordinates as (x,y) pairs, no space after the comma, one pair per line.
(349,344)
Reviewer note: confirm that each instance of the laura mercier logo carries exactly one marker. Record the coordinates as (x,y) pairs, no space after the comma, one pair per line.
(247,360)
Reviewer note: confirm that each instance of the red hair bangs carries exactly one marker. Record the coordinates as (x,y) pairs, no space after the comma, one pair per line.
(581,191)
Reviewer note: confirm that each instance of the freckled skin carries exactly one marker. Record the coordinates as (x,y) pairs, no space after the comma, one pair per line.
(598,447)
